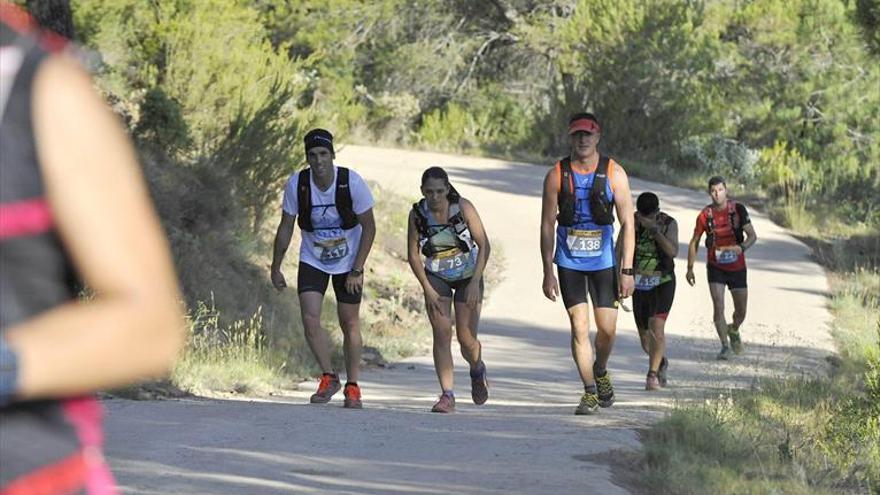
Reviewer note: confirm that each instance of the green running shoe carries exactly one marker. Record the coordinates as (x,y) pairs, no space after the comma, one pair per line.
(735,339)
(652,382)
(661,373)
(724,355)
(589,404)
(606,390)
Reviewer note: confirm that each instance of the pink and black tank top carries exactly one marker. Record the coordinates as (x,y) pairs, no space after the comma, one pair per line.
(47,446)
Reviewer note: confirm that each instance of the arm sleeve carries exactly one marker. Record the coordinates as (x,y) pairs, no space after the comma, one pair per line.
(361,197)
(289,203)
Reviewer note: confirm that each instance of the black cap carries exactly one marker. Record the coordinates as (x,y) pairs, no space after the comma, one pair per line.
(318,137)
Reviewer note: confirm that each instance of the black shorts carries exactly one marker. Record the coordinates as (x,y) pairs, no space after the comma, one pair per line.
(654,303)
(733,280)
(601,284)
(310,279)
(445,288)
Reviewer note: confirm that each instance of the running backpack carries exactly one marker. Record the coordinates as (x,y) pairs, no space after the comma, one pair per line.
(734,218)
(667,264)
(343,200)
(601,207)
(456,222)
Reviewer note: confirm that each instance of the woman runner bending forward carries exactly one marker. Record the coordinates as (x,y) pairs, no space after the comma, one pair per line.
(448,251)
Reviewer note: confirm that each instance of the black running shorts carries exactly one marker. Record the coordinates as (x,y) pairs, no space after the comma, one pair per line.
(310,279)
(446,288)
(654,303)
(601,284)
(733,280)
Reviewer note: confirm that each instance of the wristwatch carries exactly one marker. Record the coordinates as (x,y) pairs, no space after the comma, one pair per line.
(8,372)
(357,272)
(626,271)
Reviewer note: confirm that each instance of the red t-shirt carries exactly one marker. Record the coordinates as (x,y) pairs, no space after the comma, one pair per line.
(724,236)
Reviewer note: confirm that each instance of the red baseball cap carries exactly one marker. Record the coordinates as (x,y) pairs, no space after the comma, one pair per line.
(584,124)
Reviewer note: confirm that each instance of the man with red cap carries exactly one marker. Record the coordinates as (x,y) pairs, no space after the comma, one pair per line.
(580,194)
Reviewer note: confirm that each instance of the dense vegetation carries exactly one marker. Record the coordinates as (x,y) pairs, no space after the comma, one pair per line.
(779,95)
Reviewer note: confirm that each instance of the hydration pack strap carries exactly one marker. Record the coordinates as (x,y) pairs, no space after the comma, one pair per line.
(343,200)
(601,177)
(566,193)
(732,218)
(456,221)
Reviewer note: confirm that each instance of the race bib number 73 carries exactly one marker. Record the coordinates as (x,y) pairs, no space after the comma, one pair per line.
(447,261)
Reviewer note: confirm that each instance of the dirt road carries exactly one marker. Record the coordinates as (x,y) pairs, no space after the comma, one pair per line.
(525,440)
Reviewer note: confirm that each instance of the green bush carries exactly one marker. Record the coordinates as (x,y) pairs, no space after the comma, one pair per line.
(717,155)
(161,124)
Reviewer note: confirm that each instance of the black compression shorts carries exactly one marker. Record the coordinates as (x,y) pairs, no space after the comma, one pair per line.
(446,288)
(601,284)
(310,279)
(733,280)
(654,303)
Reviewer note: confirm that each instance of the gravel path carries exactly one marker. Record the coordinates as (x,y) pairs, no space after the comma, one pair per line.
(525,439)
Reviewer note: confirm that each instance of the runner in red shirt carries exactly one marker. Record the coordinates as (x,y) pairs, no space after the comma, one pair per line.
(729,233)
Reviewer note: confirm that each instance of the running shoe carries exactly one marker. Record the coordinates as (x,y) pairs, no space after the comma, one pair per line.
(606,390)
(589,404)
(446,404)
(661,372)
(327,386)
(652,382)
(724,355)
(479,385)
(735,339)
(352,395)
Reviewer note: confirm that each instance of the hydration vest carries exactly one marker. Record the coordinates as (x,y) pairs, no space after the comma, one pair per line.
(343,200)
(734,220)
(456,222)
(666,263)
(601,208)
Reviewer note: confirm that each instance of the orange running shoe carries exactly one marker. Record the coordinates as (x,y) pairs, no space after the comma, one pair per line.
(352,396)
(327,386)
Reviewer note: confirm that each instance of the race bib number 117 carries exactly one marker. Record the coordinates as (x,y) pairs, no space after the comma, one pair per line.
(331,250)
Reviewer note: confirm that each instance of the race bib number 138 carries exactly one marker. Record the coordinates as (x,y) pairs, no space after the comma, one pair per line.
(584,243)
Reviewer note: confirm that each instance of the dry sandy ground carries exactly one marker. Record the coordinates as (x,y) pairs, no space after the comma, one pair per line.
(525,440)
